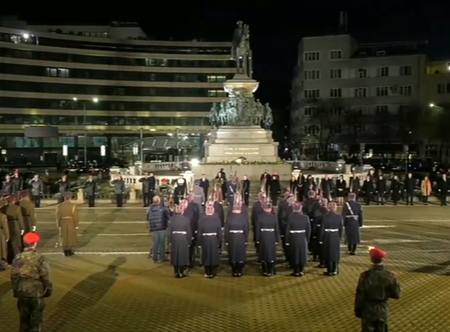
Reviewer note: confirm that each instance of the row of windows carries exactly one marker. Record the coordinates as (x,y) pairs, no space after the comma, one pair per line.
(10,102)
(54,120)
(315,74)
(314,130)
(338,111)
(93,90)
(381,91)
(315,56)
(115,61)
(92,45)
(443,88)
(111,75)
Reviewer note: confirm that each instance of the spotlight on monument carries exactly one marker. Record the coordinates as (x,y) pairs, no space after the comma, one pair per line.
(195,162)
(240,160)
(185,166)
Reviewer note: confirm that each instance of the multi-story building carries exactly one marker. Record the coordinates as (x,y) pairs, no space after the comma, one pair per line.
(104,86)
(345,93)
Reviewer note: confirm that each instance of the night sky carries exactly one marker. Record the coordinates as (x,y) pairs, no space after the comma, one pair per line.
(275,29)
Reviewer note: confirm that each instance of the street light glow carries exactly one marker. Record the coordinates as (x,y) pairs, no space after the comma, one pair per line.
(95,100)
(26,36)
(74,98)
(432,105)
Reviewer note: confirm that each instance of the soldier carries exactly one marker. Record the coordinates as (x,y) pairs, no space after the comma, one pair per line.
(192,211)
(209,238)
(267,238)
(4,239)
(28,212)
(119,190)
(91,190)
(37,187)
(257,209)
(353,220)
(310,208)
(331,235)
(284,210)
(275,188)
(180,190)
(316,232)
(298,231)
(64,186)
(17,181)
(67,220)
(375,287)
(16,227)
(148,188)
(232,192)
(179,239)
(236,238)
(3,198)
(30,281)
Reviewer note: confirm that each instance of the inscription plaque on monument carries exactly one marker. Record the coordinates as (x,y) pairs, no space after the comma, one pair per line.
(241,151)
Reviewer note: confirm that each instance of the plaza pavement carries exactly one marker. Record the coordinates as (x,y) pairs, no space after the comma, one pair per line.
(111,285)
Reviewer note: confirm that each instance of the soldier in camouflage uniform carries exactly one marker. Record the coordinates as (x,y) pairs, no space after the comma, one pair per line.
(375,287)
(30,281)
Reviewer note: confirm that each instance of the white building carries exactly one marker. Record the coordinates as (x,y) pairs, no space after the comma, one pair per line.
(361,80)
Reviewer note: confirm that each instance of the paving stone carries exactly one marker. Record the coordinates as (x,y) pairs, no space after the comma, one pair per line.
(111,285)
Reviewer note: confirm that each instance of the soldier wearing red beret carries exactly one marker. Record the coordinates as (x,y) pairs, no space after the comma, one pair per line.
(375,287)
(30,280)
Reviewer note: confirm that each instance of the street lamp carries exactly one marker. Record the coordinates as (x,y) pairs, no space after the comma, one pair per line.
(94,100)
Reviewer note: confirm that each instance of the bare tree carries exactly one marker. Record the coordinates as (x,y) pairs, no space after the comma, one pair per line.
(407,121)
(437,126)
(353,125)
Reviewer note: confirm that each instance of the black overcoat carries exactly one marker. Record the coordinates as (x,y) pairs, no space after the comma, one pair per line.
(209,237)
(179,238)
(298,232)
(353,220)
(267,236)
(236,237)
(331,234)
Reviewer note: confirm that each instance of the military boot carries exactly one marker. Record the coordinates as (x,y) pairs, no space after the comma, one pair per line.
(240,271)
(264,269)
(207,271)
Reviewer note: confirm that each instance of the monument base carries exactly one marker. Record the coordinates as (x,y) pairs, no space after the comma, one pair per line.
(229,143)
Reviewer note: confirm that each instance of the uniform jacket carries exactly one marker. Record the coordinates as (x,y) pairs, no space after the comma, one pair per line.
(375,287)
(91,188)
(119,186)
(64,186)
(425,187)
(158,217)
(28,213)
(15,223)
(4,236)
(36,187)
(30,275)
(17,183)
(67,218)
(8,187)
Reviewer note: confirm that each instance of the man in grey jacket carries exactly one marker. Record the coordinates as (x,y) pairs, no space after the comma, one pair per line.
(119,190)
(37,187)
(199,195)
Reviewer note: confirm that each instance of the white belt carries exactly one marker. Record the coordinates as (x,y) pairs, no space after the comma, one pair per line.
(296,232)
(209,234)
(331,230)
(236,232)
(179,232)
(267,230)
(352,216)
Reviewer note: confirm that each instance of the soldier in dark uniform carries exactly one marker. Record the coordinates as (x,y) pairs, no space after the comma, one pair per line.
(28,212)
(4,239)
(192,211)
(316,232)
(179,238)
(30,281)
(443,189)
(8,186)
(236,238)
(284,210)
(180,190)
(37,187)
(355,186)
(119,190)
(209,238)
(298,232)
(16,227)
(67,218)
(63,187)
(381,190)
(257,209)
(91,189)
(326,187)
(267,238)
(353,220)
(396,190)
(148,188)
(245,190)
(310,208)
(408,187)
(17,181)
(375,287)
(332,229)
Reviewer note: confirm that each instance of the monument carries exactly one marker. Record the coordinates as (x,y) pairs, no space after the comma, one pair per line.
(241,124)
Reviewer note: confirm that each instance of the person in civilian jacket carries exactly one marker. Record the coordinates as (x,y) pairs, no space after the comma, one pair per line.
(409,185)
(381,190)
(425,189)
(37,187)
(275,188)
(158,218)
(204,184)
(355,186)
(396,190)
(148,188)
(91,190)
(367,188)
(119,189)
(443,187)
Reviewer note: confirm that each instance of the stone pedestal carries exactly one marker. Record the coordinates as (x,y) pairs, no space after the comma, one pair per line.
(229,143)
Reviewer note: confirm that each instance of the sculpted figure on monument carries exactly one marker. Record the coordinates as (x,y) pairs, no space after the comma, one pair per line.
(259,114)
(223,116)
(268,116)
(240,49)
(213,115)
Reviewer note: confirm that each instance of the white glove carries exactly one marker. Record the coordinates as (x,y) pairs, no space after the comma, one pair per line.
(22,232)
(76,227)
(33,229)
